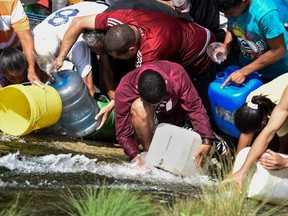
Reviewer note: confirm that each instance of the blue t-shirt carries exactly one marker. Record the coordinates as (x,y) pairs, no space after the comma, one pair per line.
(252,29)
(283,9)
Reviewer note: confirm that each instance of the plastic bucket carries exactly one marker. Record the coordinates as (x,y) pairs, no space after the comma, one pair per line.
(107,132)
(173,149)
(266,185)
(24,109)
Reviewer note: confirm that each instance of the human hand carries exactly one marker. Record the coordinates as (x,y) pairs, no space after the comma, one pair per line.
(201,154)
(237,78)
(140,163)
(104,112)
(218,52)
(57,63)
(273,161)
(33,78)
(237,178)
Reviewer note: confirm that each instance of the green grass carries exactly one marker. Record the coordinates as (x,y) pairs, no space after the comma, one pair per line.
(13,210)
(222,200)
(110,202)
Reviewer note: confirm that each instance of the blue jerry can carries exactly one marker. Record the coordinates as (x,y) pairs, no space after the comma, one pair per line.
(224,102)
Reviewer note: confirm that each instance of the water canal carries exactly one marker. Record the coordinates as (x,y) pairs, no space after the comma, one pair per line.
(40,168)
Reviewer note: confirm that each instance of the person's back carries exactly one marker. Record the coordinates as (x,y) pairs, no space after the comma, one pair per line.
(160,41)
(146,5)
(48,36)
(57,23)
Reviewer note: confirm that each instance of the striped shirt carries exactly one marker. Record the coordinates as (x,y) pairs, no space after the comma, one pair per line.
(12,19)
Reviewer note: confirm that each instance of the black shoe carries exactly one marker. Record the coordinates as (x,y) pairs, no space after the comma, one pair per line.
(221,147)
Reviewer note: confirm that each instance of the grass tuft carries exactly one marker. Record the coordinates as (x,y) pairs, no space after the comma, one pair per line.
(110,202)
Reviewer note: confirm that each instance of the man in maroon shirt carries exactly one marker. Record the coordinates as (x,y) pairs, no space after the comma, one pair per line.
(158,36)
(162,89)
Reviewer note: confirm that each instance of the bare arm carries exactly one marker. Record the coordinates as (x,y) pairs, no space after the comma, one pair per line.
(107,75)
(244,141)
(228,38)
(88,80)
(276,52)
(27,43)
(110,87)
(75,29)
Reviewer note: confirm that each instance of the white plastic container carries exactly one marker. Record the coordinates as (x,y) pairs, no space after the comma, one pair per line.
(173,149)
(267,185)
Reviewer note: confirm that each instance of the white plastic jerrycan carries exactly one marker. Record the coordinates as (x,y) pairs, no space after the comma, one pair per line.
(173,149)
(266,185)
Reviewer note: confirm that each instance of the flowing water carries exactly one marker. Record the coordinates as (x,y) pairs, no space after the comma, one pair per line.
(39,169)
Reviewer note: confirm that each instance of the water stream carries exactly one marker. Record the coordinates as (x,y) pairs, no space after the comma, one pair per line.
(40,168)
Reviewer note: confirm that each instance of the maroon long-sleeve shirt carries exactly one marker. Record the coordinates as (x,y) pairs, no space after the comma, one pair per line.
(164,37)
(180,100)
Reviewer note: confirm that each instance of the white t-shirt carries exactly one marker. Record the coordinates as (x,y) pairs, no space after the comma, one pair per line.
(50,32)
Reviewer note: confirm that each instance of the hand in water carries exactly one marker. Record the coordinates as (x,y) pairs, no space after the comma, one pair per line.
(140,163)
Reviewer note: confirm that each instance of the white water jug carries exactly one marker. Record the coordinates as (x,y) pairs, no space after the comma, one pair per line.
(173,149)
(267,185)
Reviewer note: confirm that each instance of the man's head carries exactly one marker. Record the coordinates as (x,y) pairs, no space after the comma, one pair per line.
(94,40)
(121,42)
(232,8)
(151,87)
(14,65)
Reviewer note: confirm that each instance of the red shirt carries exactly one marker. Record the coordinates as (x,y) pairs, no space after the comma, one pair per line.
(163,37)
(180,100)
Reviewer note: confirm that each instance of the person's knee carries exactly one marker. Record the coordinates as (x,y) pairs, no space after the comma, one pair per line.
(139,112)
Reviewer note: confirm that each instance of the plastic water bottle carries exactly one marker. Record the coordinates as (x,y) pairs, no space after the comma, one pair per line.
(78,107)
(218,52)
(58,4)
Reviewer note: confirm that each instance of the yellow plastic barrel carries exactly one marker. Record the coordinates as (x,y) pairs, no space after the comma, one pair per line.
(24,109)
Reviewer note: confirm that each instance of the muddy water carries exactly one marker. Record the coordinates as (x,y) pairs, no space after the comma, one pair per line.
(40,168)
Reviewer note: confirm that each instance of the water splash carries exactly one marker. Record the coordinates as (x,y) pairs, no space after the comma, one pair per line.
(9,138)
(68,163)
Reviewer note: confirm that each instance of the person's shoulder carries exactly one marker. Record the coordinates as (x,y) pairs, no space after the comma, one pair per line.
(96,7)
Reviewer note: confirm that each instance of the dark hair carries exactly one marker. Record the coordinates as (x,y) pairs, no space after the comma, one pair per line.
(224,5)
(249,120)
(119,39)
(151,87)
(93,37)
(12,59)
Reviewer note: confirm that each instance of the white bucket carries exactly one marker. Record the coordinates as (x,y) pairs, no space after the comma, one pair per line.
(173,149)
(267,185)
